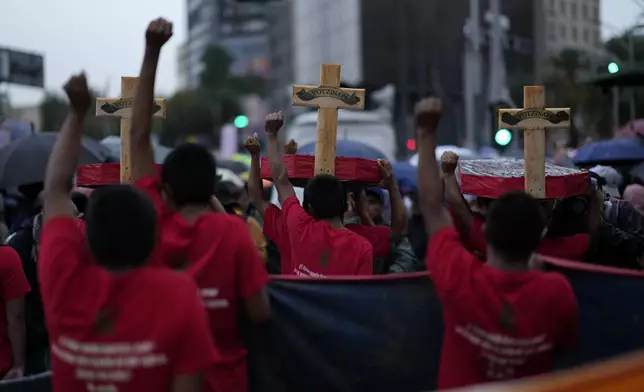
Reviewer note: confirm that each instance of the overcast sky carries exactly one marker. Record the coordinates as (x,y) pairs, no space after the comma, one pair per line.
(105,38)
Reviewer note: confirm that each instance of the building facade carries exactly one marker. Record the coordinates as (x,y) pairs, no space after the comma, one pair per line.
(417,45)
(572,24)
(241,28)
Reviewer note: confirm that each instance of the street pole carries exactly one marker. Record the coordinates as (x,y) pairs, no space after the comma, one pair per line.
(631,64)
(615,91)
(472,73)
(494,68)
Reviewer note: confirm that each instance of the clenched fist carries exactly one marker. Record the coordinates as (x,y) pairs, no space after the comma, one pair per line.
(428,113)
(449,161)
(252,144)
(78,93)
(158,33)
(290,147)
(274,122)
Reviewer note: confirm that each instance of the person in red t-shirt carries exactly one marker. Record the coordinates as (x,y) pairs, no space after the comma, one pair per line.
(13,287)
(312,240)
(471,227)
(502,319)
(113,322)
(214,248)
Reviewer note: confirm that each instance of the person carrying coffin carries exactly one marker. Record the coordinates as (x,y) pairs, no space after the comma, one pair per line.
(503,320)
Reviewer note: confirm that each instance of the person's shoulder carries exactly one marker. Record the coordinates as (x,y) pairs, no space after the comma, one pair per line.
(228,225)
(7,251)
(552,282)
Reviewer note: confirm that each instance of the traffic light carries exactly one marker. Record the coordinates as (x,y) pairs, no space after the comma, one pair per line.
(240,121)
(503,137)
(613,68)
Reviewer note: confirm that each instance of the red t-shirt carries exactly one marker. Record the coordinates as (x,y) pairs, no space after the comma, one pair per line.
(128,331)
(378,237)
(572,247)
(218,251)
(13,284)
(498,325)
(314,248)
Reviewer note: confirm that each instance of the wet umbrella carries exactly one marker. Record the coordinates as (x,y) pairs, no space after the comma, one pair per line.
(347,148)
(406,175)
(24,161)
(613,152)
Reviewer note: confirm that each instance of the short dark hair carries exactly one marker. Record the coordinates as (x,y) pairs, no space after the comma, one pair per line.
(190,173)
(121,226)
(514,226)
(325,195)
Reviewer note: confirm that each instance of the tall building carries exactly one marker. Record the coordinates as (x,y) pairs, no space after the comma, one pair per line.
(417,45)
(239,27)
(572,24)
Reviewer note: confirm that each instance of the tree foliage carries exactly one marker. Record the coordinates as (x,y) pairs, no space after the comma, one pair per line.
(214,102)
(54,109)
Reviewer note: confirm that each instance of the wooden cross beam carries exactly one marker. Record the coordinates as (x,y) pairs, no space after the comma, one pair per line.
(122,107)
(534,118)
(328,97)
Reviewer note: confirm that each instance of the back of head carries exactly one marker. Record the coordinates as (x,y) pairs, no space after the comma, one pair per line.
(229,195)
(120,227)
(325,197)
(514,226)
(189,175)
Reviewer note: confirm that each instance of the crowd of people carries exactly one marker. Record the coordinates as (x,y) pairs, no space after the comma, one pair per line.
(142,286)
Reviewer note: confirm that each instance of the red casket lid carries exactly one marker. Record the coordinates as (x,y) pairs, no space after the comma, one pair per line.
(301,167)
(492,178)
(98,174)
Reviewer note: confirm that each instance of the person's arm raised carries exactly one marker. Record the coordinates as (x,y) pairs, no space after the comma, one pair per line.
(254,181)
(430,186)
(158,33)
(398,212)
(274,122)
(61,166)
(453,196)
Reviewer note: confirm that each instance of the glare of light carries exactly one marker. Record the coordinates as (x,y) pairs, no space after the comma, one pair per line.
(503,137)
(613,68)
(241,121)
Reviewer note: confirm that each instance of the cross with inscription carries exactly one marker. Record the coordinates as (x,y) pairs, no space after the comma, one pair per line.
(534,119)
(328,97)
(122,107)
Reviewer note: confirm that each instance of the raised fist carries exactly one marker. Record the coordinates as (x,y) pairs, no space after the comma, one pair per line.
(449,161)
(290,147)
(274,122)
(78,93)
(387,173)
(252,144)
(428,113)
(158,33)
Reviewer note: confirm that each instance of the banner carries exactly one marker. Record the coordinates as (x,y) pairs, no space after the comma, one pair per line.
(384,333)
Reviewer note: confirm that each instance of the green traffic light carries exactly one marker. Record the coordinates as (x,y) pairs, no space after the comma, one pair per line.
(503,137)
(613,68)
(241,121)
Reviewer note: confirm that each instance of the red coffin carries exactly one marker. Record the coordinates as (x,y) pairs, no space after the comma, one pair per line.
(301,168)
(492,178)
(98,174)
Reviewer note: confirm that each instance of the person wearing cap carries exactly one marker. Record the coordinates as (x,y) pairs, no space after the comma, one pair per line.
(230,196)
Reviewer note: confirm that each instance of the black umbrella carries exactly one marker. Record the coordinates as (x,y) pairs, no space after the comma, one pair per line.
(24,161)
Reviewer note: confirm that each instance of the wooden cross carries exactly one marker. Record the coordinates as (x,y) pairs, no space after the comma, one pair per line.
(534,118)
(328,97)
(122,107)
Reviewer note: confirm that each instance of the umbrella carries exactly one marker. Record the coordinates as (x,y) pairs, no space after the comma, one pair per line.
(463,153)
(24,161)
(114,144)
(347,148)
(406,175)
(228,175)
(613,152)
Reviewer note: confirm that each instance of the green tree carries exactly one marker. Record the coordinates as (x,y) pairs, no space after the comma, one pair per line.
(188,114)
(564,90)
(54,109)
